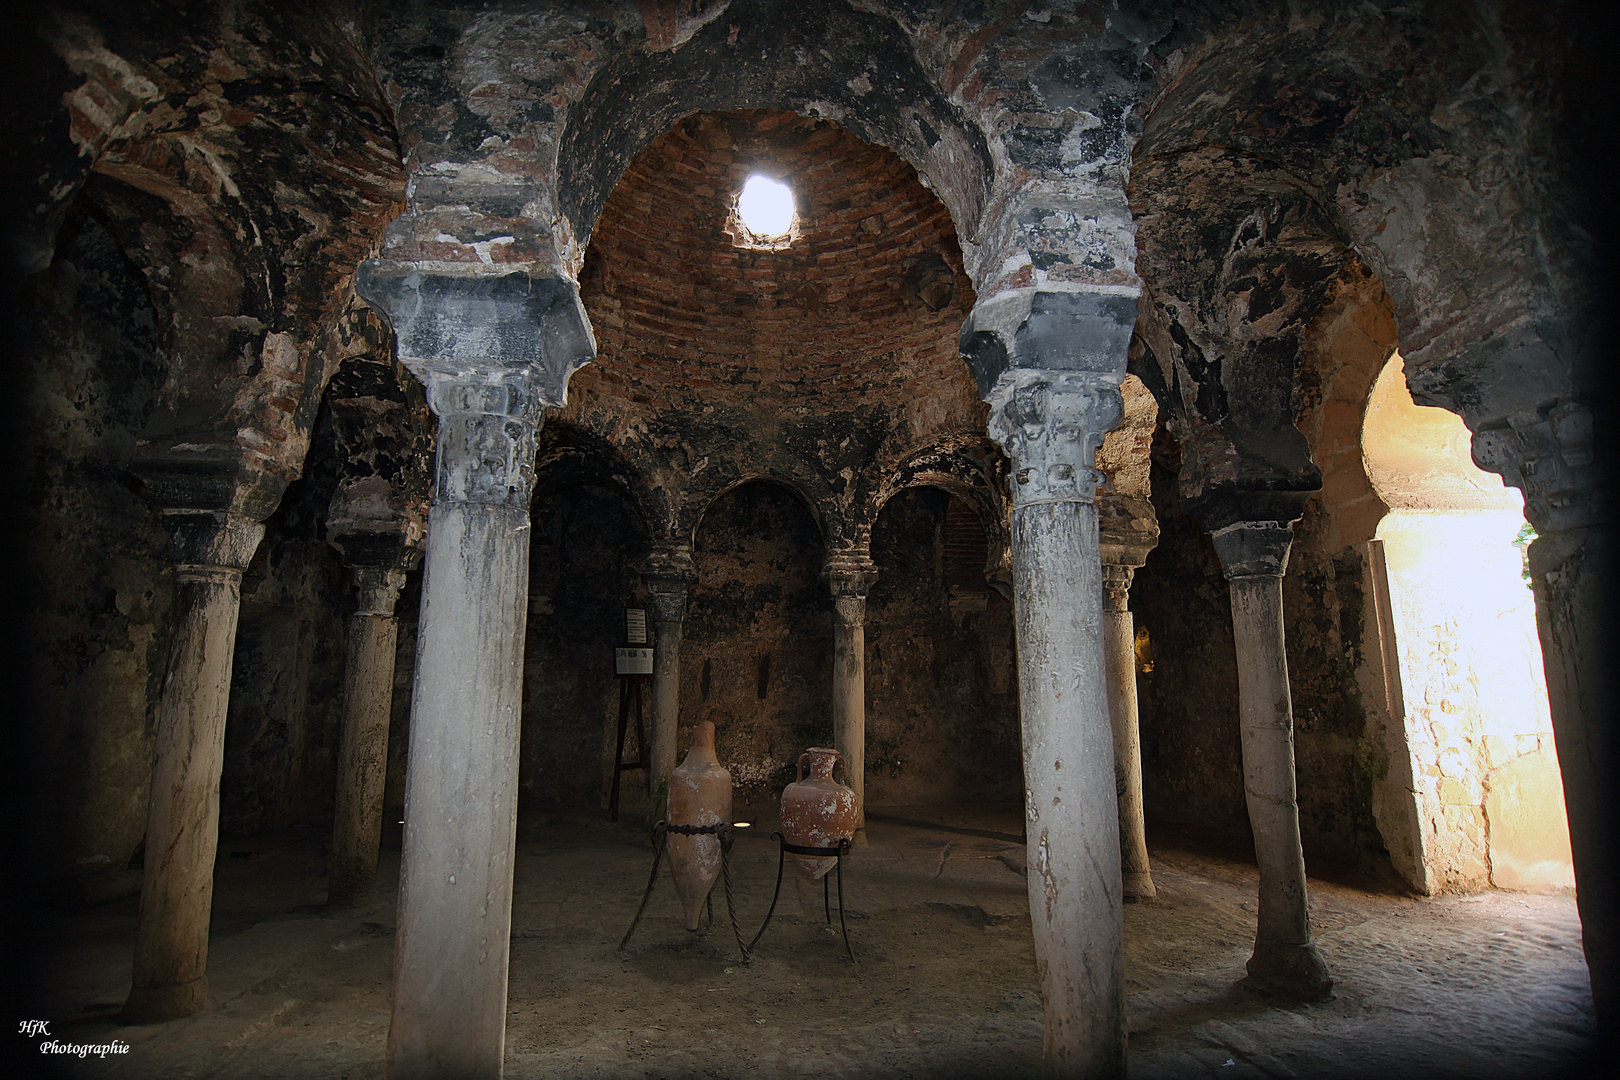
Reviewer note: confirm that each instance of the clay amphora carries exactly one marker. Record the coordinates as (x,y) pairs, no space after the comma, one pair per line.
(699,794)
(818,812)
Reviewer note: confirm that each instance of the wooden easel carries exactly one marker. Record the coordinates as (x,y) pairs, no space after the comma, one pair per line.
(632,663)
(630,697)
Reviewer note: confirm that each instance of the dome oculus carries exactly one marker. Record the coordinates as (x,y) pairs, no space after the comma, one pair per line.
(765,207)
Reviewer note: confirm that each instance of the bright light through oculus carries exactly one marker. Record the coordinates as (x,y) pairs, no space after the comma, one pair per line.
(766,206)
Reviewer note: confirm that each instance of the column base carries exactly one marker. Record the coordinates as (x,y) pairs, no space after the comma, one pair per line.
(1139,886)
(1295,972)
(155,1004)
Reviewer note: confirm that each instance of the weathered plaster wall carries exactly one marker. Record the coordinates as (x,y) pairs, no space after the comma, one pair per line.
(583,563)
(1192,768)
(286,704)
(756,652)
(1343,738)
(96,577)
(941,681)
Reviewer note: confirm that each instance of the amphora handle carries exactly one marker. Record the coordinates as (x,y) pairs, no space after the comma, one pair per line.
(838,759)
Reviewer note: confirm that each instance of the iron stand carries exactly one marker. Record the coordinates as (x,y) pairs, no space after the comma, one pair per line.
(723,833)
(781,860)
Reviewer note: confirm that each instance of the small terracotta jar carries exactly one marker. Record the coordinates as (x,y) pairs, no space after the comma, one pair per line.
(818,812)
(699,794)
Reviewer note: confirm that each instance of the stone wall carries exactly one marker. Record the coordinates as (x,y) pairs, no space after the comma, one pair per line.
(286,704)
(97,580)
(941,672)
(584,560)
(756,652)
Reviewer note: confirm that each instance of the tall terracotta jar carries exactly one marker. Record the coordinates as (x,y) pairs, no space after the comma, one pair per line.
(699,794)
(818,812)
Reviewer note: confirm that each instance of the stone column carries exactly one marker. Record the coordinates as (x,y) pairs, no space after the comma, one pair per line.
(1119,659)
(455,894)
(849,575)
(368,697)
(1050,423)
(492,351)
(1254,556)
(211,549)
(668,575)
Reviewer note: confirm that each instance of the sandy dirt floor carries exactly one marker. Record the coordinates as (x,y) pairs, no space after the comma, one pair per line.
(1490,985)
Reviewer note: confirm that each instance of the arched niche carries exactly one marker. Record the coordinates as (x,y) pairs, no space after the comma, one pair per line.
(757,640)
(1465,680)
(585,557)
(942,722)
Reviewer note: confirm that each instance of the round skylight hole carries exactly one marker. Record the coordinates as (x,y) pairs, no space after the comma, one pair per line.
(766,206)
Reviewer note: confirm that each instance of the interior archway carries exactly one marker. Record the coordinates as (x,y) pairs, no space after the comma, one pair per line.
(1467,682)
(586,548)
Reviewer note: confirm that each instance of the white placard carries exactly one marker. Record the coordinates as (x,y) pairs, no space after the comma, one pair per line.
(633,661)
(635,626)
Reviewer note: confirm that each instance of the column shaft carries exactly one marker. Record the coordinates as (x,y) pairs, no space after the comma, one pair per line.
(668,574)
(368,697)
(849,698)
(1050,423)
(666,687)
(1119,659)
(182,818)
(1074,858)
(1285,958)
(455,897)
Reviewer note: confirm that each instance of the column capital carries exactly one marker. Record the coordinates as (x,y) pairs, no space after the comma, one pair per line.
(205,542)
(850,608)
(1050,423)
(1116,582)
(668,574)
(849,573)
(488,422)
(1550,458)
(493,351)
(378,587)
(1253,548)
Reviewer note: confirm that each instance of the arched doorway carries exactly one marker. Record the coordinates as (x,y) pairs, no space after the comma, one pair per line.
(1466,681)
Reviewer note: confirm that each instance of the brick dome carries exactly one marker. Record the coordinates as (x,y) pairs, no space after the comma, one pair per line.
(865,301)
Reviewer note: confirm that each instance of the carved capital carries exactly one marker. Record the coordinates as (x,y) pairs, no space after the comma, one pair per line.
(1550,458)
(208,544)
(488,422)
(378,589)
(1050,423)
(1116,584)
(1253,548)
(851,608)
(668,574)
(849,573)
